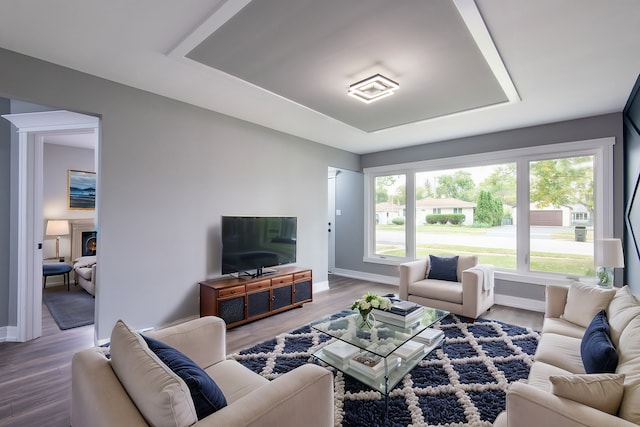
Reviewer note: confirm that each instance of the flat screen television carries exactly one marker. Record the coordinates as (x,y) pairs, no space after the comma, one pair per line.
(252,244)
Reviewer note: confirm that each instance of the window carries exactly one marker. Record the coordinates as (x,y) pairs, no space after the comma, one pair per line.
(557,187)
(478,199)
(390,215)
(526,211)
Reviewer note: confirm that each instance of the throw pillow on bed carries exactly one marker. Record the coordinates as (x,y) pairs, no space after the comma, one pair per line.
(443,268)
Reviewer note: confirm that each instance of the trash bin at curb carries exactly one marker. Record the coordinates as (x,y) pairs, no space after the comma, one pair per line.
(581,233)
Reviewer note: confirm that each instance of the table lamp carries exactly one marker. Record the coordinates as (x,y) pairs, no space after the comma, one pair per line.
(57,227)
(609,255)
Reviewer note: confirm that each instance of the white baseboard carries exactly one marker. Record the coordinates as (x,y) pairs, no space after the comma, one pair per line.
(522,303)
(320,286)
(388,280)
(9,334)
(506,300)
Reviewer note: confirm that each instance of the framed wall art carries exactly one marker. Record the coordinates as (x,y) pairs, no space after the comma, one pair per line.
(82,189)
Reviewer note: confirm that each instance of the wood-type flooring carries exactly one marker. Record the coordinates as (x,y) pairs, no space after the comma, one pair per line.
(35,377)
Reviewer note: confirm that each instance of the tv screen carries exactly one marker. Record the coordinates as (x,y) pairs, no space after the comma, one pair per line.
(250,243)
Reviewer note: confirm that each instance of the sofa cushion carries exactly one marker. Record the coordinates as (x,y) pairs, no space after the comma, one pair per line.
(235,380)
(540,373)
(440,290)
(160,395)
(584,301)
(443,268)
(84,272)
(553,325)
(560,351)
(629,364)
(207,396)
(598,354)
(601,391)
(623,307)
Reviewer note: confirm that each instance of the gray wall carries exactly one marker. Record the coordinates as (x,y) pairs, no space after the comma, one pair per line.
(5,194)
(58,159)
(167,172)
(574,130)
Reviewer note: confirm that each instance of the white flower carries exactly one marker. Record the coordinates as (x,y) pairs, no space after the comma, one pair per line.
(375,303)
(364,305)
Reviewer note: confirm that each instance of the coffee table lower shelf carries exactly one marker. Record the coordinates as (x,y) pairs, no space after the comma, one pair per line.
(395,370)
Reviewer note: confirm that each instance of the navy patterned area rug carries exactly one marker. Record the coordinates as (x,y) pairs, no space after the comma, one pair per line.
(463,383)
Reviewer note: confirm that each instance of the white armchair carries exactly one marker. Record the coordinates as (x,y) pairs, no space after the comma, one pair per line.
(470,295)
(84,273)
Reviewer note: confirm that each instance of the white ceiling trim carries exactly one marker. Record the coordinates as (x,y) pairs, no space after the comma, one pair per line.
(226,10)
(478,29)
(468,11)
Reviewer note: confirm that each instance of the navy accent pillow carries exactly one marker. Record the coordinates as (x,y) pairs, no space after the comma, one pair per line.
(443,268)
(599,356)
(207,396)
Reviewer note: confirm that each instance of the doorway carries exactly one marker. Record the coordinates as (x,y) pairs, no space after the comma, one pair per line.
(331,217)
(33,131)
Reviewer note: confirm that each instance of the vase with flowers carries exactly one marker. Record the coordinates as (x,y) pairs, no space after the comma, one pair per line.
(365,305)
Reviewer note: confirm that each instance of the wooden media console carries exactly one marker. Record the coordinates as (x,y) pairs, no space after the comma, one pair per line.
(241,300)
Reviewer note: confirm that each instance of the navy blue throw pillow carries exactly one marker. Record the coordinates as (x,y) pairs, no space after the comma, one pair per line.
(599,356)
(207,396)
(443,268)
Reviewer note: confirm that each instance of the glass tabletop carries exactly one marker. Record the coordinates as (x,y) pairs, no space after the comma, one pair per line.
(383,338)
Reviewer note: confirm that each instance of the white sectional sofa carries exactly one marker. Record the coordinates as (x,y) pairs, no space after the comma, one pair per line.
(135,387)
(559,392)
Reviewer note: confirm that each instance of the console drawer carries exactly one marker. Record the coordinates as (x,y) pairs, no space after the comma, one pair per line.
(262,284)
(282,279)
(231,291)
(302,276)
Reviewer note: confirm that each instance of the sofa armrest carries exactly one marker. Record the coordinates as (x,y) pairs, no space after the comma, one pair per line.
(203,340)
(411,272)
(301,397)
(93,273)
(555,300)
(99,406)
(475,300)
(530,406)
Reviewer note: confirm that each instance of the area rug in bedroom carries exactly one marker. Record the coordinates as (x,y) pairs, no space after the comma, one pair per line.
(70,309)
(463,383)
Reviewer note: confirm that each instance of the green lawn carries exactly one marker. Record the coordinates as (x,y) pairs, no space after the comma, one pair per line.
(581,265)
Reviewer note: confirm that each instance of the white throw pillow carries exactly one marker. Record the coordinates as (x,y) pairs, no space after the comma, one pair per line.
(160,395)
(601,391)
(584,302)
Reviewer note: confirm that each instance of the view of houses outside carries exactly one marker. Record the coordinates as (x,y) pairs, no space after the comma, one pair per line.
(474,211)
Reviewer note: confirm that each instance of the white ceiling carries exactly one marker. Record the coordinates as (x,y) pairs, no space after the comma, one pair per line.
(464,68)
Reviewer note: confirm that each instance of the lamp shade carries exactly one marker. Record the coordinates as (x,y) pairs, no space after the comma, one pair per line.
(609,253)
(57,227)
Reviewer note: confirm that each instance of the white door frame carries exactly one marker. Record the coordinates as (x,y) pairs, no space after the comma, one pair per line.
(331,218)
(32,129)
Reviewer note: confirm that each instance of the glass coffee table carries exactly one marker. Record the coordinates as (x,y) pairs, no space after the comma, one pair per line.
(381,342)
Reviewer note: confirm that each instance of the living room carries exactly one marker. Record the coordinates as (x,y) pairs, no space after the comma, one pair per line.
(169,170)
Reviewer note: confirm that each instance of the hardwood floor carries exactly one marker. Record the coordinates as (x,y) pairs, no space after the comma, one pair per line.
(35,377)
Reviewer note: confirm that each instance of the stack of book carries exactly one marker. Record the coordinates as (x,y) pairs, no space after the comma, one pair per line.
(430,337)
(402,313)
(340,351)
(371,364)
(409,350)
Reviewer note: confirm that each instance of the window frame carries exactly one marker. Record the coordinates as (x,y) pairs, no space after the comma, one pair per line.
(600,148)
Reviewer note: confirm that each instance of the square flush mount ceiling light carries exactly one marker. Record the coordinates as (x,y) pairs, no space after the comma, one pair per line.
(373,88)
